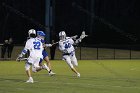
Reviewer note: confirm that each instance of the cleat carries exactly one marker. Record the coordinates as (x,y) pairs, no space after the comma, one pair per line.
(34,69)
(78,74)
(51,73)
(30,80)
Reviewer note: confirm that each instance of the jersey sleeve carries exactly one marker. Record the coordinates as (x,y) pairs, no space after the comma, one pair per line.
(28,45)
(26,48)
(61,46)
(71,41)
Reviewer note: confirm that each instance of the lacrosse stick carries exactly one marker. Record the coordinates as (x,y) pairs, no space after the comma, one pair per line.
(21,59)
(72,37)
(83,35)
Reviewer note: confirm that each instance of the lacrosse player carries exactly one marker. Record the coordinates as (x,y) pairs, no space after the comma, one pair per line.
(68,51)
(35,47)
(41,35)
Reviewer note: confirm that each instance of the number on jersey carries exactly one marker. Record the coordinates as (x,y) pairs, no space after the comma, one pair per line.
(37,45)
(67,45)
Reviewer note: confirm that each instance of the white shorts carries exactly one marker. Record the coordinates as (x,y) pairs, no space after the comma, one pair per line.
(32,61)
(71,60)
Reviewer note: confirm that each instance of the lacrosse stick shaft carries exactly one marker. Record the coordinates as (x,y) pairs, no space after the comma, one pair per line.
(22,59)
(73,37)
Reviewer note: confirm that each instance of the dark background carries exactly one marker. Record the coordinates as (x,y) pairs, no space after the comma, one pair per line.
(18,16)
(105,21)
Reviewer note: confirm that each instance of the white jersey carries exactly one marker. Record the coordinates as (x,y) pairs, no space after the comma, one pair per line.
(35,46)
(66,45)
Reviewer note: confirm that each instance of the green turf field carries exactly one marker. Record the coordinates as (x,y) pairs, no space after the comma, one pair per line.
(97,76)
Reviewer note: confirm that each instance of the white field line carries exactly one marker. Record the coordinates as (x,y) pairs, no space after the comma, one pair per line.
(135,69)
(93,85)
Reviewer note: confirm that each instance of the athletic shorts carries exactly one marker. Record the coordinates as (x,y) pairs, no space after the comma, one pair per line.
(45,54)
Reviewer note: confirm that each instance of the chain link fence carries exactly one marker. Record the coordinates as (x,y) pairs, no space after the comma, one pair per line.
(96,52)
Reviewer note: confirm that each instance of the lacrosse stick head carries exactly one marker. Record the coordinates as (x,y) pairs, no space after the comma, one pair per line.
(83,35)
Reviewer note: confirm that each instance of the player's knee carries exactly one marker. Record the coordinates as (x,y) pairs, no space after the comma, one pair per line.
(75,64)
(27,66)
(71,66)
(34,69)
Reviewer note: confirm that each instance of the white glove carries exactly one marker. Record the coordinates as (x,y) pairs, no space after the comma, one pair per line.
(78,40)
(48,45)
(19,57)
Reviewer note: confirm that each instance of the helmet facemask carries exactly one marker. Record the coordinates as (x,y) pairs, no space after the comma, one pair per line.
(32,33)
(62,35)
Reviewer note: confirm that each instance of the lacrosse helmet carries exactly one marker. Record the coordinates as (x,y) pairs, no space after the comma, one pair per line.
(41,34)
(32,33)
(62,35)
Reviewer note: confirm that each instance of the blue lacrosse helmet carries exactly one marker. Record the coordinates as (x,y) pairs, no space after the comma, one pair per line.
(40,33)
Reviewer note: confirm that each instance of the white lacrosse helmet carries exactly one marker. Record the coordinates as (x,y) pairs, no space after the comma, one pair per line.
(31,32)
(62,35)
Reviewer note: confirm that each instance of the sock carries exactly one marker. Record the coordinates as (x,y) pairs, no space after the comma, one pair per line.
(30,78)
(46,67)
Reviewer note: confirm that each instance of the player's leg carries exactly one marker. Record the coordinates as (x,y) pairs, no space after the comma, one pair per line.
(68,61)
(36,68)
(48,66)
(44,66)
(48,62)
(74,60)
(28,72)
(36,65)
(75,63)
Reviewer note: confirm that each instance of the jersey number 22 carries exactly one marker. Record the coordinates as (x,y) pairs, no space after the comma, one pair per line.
(36,45)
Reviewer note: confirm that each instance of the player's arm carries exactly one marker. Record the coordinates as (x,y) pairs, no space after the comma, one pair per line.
(20,56)
(61,47)
(48,45)
(45,45)
(24,51)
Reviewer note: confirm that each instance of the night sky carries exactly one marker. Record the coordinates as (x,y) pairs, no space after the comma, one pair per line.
(106,21)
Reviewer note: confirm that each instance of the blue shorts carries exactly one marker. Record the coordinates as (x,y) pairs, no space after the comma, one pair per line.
(45,54)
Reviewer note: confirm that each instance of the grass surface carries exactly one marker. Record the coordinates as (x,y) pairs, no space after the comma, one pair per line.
(97,76)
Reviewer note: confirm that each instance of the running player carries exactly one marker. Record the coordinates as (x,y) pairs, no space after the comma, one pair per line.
(68,51)
(35,47)
(41,34)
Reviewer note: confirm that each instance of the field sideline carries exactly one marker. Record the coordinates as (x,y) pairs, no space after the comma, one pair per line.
(97,76)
